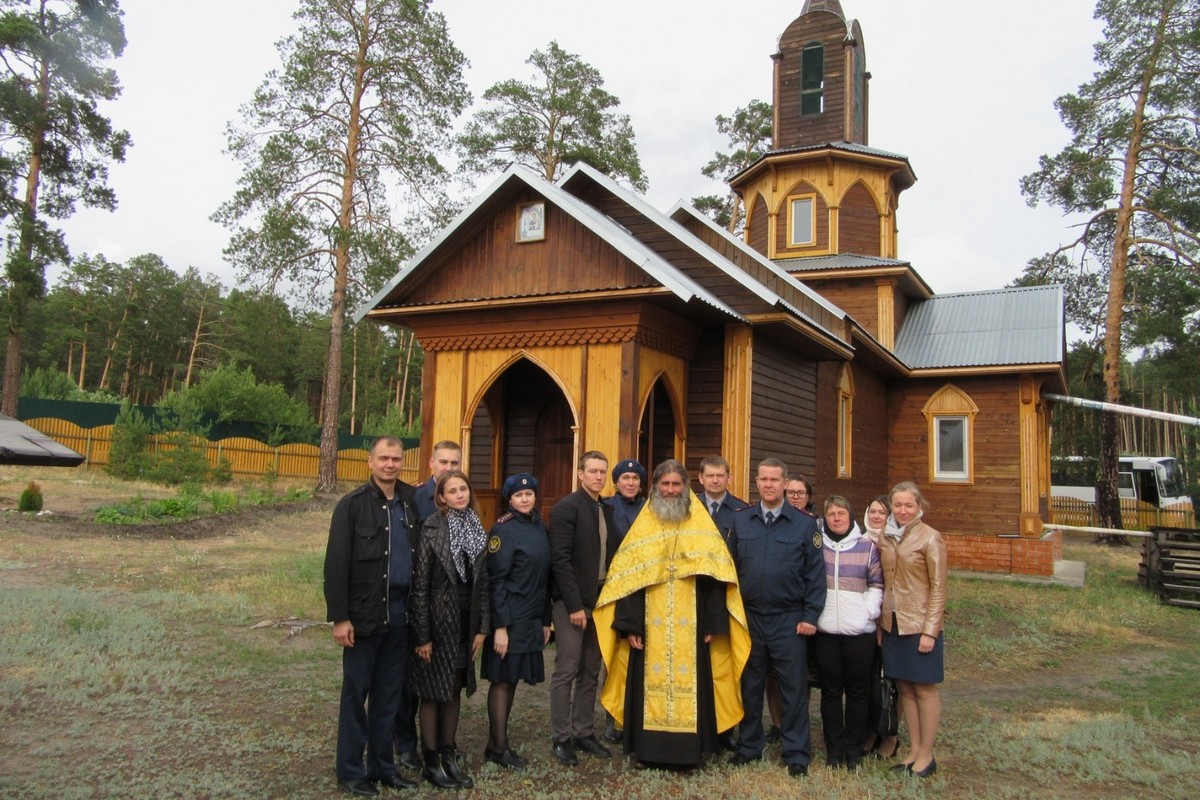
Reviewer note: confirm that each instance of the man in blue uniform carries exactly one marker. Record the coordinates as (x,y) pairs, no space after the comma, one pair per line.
(781,571)
(720,504)
(368,571)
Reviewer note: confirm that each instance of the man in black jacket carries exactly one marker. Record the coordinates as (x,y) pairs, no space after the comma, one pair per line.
(368,571)
(583,540)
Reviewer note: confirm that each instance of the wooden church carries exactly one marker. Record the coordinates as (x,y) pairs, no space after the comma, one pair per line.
(563,317)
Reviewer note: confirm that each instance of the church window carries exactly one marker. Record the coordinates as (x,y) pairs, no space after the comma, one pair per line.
(950,414)
(812,79)
(801,227)
(845,420)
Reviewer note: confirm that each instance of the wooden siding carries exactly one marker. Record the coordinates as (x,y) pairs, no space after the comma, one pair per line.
(869,437)
(858,223)
(489,263)
(820,221)
(758,225)
(783,407)
(705,407)
(992,505)
(857,297)
(792,129)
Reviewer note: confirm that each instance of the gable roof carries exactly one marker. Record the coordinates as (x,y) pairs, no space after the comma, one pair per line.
(990,328)
(606,229)
(21,444)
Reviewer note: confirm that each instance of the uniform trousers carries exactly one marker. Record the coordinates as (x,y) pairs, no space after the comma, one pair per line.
(373,673)
(777,649)
(576,678)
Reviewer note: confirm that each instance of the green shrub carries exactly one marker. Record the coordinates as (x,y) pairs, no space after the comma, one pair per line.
(127,458)
(223,471)
(31,498)
(223,502)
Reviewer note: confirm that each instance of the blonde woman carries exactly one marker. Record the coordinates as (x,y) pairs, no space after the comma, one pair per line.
(914,602)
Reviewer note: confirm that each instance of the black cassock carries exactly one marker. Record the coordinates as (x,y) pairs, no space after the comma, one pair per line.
(667,747)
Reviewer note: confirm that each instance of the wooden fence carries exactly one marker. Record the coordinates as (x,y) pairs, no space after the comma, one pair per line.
(246,457)
(1135,515)
(1171,565)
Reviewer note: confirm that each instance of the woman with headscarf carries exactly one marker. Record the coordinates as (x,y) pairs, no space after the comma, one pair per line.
(449,618)
(518,566)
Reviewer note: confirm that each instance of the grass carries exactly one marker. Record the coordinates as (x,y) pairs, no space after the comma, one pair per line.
(130,668)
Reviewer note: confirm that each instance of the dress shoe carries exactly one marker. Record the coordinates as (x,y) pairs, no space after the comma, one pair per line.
(798,770)
(611,734)
(905,768)
(741,759)
(508,759)
(565,753)
(361,787)
(454,770)
(396,781)
(728,740)
(833,763)
(435,773)
(927,772)
(588,744)
(410,761)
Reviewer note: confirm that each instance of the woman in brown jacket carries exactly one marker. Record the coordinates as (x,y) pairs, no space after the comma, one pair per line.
(914,601)
(449,617)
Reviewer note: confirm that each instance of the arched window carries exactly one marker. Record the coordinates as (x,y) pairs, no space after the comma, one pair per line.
(951,417)
(845,417)
(812,79)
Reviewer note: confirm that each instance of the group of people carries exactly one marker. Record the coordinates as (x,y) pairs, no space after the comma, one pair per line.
(697,608)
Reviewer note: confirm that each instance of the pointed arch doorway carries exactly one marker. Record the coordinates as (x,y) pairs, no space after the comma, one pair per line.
(523,424)
(658,437)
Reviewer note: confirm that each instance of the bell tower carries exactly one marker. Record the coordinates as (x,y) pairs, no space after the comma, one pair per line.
(821,190)
(820,86)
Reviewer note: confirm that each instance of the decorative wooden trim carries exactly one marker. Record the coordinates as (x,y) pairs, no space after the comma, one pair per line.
(885,312)
(735,428)
(844,461)
(1029,425)
(950,401)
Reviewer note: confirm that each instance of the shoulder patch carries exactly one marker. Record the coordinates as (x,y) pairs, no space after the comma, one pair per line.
(817,540)
(807,513)
(493,544)
(505,518)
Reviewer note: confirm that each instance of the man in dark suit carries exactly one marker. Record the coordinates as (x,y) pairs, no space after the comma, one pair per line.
(368,572)
(583,540)
(720,504)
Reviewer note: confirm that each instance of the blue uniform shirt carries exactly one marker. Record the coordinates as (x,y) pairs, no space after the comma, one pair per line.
(781,566)
(400,546)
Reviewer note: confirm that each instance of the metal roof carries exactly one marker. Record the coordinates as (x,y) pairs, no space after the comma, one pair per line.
(21,444)
(837,261)
(991,328)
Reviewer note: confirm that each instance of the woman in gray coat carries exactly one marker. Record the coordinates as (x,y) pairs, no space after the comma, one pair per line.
(449,617)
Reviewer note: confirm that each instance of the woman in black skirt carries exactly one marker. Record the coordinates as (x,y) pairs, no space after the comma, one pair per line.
(519,574)
(914,602)
(449,618)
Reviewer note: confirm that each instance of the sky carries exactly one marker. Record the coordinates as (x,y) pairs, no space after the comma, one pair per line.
(965,90)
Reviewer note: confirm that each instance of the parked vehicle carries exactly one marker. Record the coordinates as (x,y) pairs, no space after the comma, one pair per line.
(1144,483)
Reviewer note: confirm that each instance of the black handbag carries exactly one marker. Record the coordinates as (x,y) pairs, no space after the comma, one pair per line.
(885,716)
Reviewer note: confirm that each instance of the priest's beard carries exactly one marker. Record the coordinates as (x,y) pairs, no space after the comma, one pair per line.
(670,509)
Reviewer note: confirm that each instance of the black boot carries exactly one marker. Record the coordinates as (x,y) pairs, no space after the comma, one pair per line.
(453,770)
(435,774)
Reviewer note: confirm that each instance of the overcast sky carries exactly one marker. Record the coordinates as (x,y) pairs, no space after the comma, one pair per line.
(964,89)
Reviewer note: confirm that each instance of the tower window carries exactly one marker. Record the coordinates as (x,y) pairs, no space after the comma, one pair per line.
(801,227)
(812,79)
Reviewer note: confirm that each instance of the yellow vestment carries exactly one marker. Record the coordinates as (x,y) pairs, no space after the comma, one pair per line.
(664,559)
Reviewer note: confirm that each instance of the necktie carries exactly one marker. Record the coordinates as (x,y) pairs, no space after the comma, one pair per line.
(715,507)
(769,517)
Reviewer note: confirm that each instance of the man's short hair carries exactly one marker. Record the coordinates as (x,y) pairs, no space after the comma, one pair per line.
(386,440)
(714,461)
(774,462)
(670,466)
(446,444)
(592,454)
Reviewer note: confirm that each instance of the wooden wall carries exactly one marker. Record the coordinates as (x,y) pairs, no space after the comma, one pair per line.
(858,223)
(783,408)
(868,440)
(705,409)
(792,129)
(758,224)
(993,504)
(855,296)
(490,263)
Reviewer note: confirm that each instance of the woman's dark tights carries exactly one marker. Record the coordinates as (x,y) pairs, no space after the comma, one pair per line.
(439,721)
(500,701)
